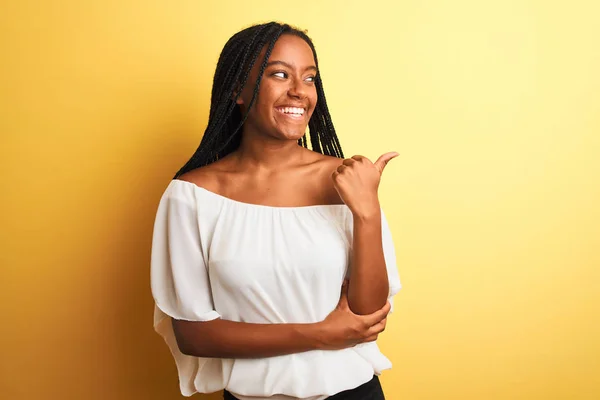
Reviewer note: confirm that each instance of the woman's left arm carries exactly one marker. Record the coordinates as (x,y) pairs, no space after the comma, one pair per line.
(357,181)
(368,287)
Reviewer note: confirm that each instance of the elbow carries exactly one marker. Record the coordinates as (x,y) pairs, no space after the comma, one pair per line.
(192,351)
(366,306)
(364,309)
(183,343)
(188,339)
(185,348)
(368,297)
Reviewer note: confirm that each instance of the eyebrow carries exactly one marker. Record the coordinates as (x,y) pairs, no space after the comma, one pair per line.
(277,62)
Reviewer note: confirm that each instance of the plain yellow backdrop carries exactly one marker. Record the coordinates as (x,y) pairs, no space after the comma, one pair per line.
(494,202)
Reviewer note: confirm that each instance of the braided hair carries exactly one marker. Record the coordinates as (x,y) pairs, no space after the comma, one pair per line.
(223,133)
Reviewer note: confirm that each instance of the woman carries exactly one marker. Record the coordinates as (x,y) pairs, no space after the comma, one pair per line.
(253,238)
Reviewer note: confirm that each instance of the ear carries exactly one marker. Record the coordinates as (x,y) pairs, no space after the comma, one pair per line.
(235,93)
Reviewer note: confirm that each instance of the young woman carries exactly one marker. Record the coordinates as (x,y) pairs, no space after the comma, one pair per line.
(273,268)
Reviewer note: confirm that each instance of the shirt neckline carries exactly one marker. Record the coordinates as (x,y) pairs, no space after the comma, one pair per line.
(242,203)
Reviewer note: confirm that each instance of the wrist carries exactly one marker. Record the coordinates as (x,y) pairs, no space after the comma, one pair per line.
(368,213)
(315,334)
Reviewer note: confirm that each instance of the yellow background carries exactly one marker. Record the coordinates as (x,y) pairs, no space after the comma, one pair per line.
(494,202)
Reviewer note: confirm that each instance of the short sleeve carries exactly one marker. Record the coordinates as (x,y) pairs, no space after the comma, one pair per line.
(179,278)
(389,255)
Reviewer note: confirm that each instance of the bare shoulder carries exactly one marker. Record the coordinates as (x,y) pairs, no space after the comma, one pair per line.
(208,177)
(324,167)
(327,164)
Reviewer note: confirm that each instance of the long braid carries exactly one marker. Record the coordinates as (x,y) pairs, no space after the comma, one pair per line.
(256,88)
(225,122)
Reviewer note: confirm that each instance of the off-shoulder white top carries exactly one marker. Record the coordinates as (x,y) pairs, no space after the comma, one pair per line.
(214,257)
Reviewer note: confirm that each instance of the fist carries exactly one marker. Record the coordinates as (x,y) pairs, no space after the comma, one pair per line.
(357,181)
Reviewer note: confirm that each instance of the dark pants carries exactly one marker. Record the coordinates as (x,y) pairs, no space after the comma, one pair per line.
(367,391)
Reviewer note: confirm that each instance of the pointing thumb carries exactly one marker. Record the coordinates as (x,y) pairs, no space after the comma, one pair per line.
(384,159)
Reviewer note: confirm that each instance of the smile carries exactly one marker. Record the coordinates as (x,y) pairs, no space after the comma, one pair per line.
(292,112)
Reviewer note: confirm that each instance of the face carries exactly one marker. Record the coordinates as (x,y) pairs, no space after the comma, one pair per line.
(287,96)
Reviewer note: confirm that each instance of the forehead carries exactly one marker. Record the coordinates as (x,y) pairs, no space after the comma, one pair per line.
(293,50)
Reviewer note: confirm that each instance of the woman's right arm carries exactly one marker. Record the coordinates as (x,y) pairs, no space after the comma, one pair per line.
(221,338)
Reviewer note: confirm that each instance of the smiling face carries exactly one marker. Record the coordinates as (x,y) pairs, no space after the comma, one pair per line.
(287,96)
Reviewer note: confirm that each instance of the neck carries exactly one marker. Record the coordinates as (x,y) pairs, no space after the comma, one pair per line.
(265,153)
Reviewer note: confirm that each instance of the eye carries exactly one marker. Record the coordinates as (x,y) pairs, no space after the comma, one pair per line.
(311,78)
(280,74)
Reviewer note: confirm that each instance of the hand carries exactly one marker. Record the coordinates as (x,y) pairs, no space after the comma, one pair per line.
(342,328)
(357,181)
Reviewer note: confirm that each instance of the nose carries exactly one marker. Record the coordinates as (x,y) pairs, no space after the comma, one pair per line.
(297,89)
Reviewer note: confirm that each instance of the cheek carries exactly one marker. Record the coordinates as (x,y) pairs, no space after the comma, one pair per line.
(262,106)
(267,97)
(312,95)
(313,102)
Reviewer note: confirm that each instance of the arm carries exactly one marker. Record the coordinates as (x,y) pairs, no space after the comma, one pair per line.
(368,288)
(356,182)
(221,338)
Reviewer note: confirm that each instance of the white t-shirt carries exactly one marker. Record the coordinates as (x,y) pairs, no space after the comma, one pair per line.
(216,257)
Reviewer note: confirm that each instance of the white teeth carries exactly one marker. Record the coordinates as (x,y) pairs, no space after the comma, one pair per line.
(292,110)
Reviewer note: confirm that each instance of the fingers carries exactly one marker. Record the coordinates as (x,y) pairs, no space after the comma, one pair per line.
(384,159)
(348,162)
(385,310)
(380,163)
(371,338)
(377,328)
(375,331)
(378,315)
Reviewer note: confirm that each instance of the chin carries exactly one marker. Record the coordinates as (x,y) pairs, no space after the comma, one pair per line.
(290,134)
(289,130)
